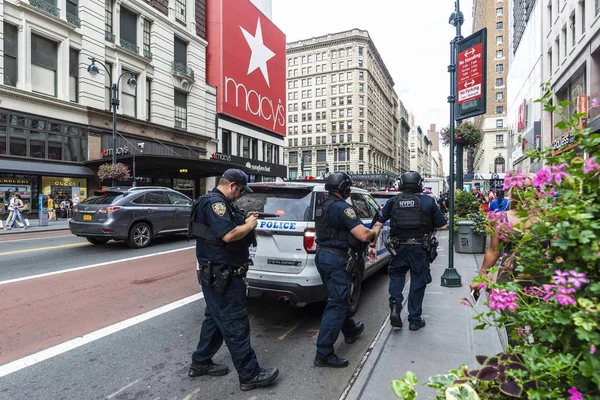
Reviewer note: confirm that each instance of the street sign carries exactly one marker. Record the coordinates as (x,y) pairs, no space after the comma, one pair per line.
(471,75)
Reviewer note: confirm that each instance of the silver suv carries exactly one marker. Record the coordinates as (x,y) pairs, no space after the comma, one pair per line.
(135,214)
(283,262)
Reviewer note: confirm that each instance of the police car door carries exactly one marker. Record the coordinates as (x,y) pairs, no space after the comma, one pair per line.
(382,252)
(362,211)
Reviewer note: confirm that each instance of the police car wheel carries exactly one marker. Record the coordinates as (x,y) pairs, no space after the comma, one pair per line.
(355,290)
(139,235)
(97,240)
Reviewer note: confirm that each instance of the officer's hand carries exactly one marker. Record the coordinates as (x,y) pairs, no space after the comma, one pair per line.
(255,213)
(252,220)
(372,254)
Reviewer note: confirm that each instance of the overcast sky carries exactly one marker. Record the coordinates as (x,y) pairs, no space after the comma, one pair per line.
(412,37)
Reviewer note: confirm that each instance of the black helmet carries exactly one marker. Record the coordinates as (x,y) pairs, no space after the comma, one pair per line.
(411,180)
(339,182)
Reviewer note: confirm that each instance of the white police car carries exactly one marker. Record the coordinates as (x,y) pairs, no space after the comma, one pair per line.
(283,262)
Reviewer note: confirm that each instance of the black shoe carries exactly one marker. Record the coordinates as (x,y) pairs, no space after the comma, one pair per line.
(415,326)
(395,319)
(211,369)
(265,377)
(332,361)
(358,329)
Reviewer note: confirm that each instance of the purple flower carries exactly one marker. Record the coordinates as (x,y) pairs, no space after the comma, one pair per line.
(534,291)
(575,394)
(589,166)
(523,333)
(563,296)
(557,172)
(577,278)
(560,278)
(514,178)
(542,177)
(548,292)
(501,299)
(592,349)
(594,103)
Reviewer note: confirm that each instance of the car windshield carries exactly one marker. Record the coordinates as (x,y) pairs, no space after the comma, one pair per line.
(381,199)
(102,198)
(291,205)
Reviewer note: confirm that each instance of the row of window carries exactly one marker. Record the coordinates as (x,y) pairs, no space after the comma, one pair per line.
(322,80)
(567,39)
(247,147)
(334,102)
(308,141)
(334,90)
(323,68)
(321,56)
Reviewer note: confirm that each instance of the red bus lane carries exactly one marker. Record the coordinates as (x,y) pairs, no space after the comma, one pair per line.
(47,311)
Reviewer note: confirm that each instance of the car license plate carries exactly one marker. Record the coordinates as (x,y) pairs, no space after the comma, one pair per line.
(87,217)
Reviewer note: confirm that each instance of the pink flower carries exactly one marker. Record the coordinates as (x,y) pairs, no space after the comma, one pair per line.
(558,173)
(482,285)
(542,177)
(563,296)
(589,166)
(575,394)
(560,278)
(514,178)
(548,292)
(501,299)
(577,278)
(534,291)
(523,333)
(594,103)
(592,349)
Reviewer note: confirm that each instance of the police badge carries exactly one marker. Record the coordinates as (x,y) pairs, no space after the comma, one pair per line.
(219,208)
(349,211)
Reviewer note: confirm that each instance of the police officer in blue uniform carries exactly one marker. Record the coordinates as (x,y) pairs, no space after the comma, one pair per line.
(338,230)
(223,235)
(414,216)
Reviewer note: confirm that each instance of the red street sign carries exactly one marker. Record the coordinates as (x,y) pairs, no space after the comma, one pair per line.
(470,74)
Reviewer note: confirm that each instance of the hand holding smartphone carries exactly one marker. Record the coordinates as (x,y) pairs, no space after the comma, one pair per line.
(475,296)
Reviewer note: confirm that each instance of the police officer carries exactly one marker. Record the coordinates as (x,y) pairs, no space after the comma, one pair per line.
(337,230)
(223,235)
(413,217)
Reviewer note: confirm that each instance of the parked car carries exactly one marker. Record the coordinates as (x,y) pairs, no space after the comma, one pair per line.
(135,214)
(382,196)
(283,262)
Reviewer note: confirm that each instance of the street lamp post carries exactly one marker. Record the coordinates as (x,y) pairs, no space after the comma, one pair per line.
(114,99)
(450,277)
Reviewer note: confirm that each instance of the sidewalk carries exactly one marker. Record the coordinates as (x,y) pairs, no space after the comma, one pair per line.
(61,224)
(445,343)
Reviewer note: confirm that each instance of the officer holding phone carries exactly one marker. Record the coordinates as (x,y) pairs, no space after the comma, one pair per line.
(223,235)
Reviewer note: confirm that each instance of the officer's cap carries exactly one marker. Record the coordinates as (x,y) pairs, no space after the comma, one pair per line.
(238,176)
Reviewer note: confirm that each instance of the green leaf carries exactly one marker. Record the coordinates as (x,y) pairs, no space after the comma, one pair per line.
(480,327)
(561,125)
(444,380)
(410,377)
(565,103)
(587,236)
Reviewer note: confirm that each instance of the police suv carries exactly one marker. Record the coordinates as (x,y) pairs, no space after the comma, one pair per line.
(283,262)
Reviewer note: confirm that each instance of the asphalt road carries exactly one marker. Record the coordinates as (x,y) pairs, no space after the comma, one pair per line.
(148,360)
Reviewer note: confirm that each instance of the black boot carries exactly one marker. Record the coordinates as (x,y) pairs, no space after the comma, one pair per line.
(395,319)
(332,361)
(358,329)
(265,377)
(211,369)
(415,326)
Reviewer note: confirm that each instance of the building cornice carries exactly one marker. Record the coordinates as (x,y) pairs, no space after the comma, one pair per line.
(40,99)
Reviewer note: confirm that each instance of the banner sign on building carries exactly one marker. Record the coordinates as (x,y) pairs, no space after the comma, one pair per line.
(471,75)
(246,61)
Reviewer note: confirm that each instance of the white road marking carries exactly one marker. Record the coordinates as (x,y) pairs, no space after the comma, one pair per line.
(35,238)
(64,271)
(110,396)
(43,355)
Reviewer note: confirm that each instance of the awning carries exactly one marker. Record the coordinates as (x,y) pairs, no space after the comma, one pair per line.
(171,167)
(43,168)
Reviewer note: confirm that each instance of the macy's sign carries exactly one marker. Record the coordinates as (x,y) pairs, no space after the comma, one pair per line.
(255,103)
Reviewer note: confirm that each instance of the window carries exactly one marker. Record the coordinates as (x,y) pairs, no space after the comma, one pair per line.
(180,10)
(361,127)
(349,100)
(360,63)
(499,12)
(499,53)
(180,110)
(499,67)
(499,40)
(499,96)
(243,146)
(349,76)
(107,90)
(499,82)
(361,100)
(499,109)
(361,137)
(499,123)
(341,138)
(43,65)
(349,112)
(129,30)
(550,59)
(361,153)
(180,52)
(360,51)
(73,75)
(499,138)
(334,126)
(147,28)
(582,13)
(303,141)
(361,76)
(349,125)
(108,21)
(293,157)
(128,98)
(10,55)
(295,142)
(309,58)
(499,26)
(361,87)
(349,136)
(310,141)
(499,165)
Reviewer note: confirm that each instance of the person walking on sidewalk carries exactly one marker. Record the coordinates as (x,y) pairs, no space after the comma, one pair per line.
(413,216)
(338,230)
(223,235)
(499,203)
(18,206)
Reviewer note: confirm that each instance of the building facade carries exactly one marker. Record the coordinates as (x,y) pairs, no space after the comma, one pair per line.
(437,160)
(420,150)
(55,118)
(343,113)
(491,155)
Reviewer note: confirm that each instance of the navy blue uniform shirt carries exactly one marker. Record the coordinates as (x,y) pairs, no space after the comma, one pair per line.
(217,213)
(429,209)
(341,216)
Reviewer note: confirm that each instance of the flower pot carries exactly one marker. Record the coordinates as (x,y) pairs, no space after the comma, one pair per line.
(467,241)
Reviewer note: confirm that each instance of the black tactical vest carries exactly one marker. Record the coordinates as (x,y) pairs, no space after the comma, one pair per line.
(408,217)
(324,231)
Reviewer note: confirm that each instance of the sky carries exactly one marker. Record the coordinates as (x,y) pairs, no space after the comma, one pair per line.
(412,36)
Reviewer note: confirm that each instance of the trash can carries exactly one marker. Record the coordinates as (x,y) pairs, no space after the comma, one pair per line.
(467,241)
(42,210)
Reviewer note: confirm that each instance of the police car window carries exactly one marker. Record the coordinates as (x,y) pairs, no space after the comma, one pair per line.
(156,198)
(290,205)
(373,206)
(360,205)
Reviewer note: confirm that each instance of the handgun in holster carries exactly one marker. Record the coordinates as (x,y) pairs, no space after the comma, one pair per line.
(207,272)
(352,261)
(430,244)
(391,244)
(222,278)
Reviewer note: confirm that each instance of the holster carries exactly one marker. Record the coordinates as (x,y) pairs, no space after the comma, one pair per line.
(222,279)
(352,262)
(391,244)
(207,272)
(430,244)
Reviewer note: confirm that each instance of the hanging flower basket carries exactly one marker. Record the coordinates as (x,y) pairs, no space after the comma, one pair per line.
(118,171)
(467,133)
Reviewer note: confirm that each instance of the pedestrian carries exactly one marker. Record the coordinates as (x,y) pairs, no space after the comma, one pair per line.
(18,206)
(338,230)
(223,235)
(413,219)
(499,203)
(480,198)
